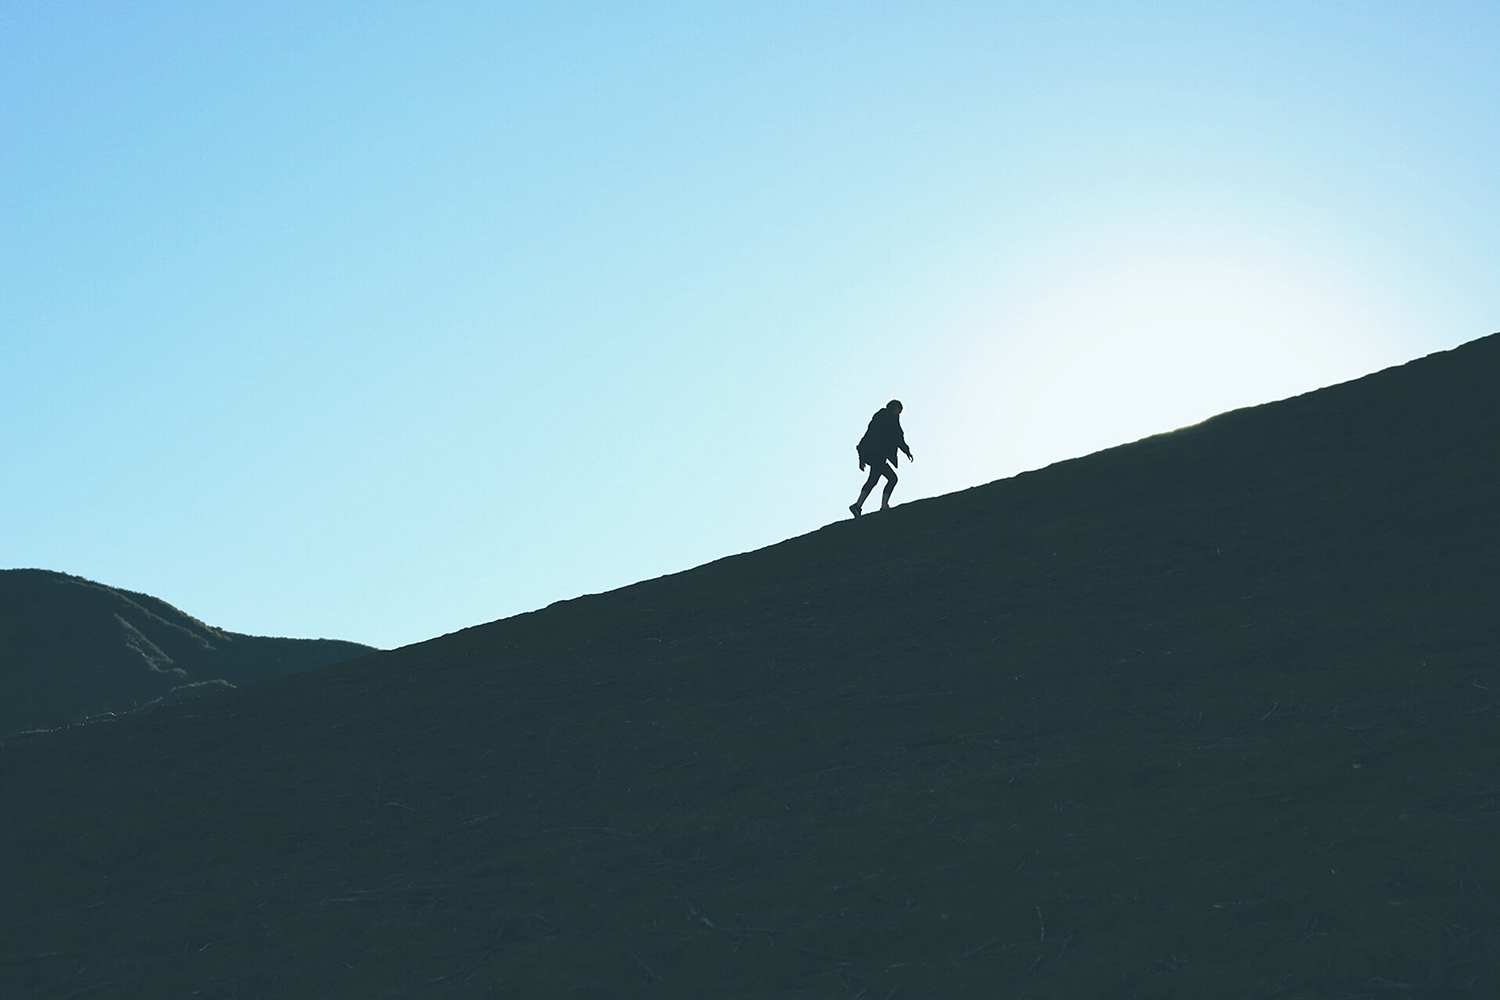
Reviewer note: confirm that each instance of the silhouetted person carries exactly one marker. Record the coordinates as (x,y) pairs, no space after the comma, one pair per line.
(877,449)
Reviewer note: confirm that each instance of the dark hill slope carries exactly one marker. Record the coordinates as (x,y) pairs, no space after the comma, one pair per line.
(1209,715)
(71,648)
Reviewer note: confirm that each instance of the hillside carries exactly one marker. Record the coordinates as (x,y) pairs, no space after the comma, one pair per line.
(71,648)
(1211,714)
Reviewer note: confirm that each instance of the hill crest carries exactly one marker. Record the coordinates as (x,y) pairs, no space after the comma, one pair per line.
(73,648)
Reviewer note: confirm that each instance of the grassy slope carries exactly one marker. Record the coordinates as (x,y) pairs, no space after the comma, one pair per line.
(71,648)
(1211,714)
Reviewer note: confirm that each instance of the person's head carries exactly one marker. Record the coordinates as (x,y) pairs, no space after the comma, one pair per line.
(894,406)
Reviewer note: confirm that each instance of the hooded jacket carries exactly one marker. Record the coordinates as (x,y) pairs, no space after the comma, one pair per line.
(882,438)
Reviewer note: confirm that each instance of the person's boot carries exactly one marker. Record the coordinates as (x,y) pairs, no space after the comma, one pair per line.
(854,509)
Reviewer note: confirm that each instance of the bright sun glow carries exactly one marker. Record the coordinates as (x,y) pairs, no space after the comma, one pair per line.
(1148,343)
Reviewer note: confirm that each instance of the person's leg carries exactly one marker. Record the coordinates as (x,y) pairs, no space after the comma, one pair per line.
(890,487)
(875,473)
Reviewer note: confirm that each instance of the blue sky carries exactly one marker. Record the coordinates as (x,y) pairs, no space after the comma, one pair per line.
(376,321)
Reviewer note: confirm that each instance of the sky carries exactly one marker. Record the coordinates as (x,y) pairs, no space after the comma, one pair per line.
(375,320)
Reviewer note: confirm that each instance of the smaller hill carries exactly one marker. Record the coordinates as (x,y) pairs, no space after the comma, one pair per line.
(71,648)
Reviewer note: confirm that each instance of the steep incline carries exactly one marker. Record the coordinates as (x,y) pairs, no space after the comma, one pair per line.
(1211,714)
(71,648)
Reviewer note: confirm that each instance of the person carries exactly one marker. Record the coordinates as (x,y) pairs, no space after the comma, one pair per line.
(877,449)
